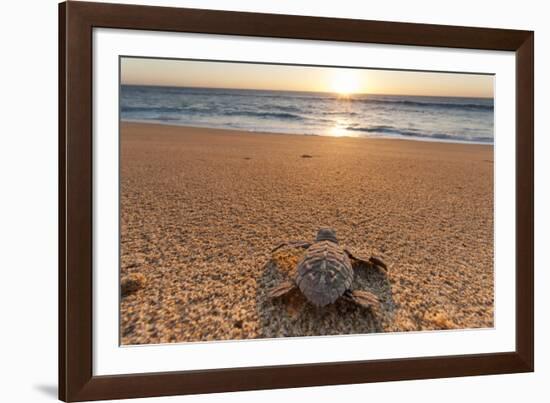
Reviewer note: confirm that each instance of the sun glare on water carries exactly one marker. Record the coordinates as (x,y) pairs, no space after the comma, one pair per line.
(345,82)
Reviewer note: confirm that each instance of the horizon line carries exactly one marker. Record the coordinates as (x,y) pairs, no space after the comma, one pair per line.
(310,92)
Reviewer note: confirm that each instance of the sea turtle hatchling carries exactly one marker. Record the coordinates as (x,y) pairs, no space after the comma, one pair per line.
(326,272)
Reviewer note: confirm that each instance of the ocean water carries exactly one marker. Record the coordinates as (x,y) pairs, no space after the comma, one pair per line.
(411,117)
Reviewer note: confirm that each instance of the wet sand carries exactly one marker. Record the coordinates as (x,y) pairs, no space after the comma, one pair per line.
(202,208)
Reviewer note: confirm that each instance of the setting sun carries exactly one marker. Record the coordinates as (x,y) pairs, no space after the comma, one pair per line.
(345,82)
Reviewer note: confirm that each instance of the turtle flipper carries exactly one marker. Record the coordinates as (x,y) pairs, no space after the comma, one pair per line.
(365,299)
(282,289)
(372,262)
(292,244)
(378,263)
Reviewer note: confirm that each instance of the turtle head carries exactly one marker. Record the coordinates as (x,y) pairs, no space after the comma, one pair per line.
(326,234)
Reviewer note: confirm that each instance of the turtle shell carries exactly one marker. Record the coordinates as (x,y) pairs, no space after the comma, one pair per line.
(324,273)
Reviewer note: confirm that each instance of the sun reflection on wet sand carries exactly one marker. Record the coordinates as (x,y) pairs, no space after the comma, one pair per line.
(341,128)
(338,131)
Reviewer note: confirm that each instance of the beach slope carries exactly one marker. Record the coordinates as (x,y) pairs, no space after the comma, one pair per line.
(202,208)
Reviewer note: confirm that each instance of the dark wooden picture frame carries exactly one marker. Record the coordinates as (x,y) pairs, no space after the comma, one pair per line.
(76,23)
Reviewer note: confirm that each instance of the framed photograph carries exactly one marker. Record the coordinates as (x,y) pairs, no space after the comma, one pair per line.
(252,201)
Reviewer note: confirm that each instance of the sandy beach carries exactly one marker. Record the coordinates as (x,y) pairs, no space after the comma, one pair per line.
(201,210)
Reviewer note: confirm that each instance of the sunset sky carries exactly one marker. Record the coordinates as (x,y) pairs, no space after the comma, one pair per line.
(344,81)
